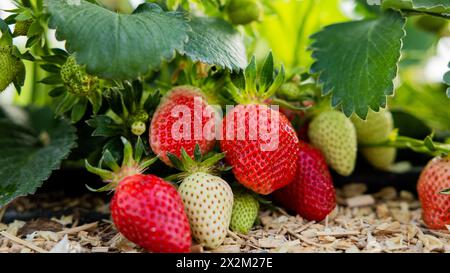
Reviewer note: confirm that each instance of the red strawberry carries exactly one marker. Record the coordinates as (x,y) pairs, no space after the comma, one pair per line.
(259,169)
(146,209)
(149,211)
(259,143)
(177,113)
(435,206)
(311,194)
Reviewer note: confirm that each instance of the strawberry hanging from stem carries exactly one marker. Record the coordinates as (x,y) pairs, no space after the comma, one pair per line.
(183,119)
(208,199)
(146,209)
(259,142)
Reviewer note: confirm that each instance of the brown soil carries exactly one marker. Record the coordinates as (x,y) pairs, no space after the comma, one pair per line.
(387,221)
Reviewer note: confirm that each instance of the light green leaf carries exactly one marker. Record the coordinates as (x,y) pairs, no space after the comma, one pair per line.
(357,61)
(216,42)
(32,144)
(118,46)
(438,6)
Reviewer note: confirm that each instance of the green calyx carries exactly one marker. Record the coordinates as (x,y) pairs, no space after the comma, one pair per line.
(250,87)
(77,80)
(200,163)
(11,67)
(133,163)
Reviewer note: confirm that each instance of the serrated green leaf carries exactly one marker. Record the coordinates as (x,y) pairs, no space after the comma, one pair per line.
(216,42)
(31,149)
(438,6)
(104,126)
(357,61)
(118,46)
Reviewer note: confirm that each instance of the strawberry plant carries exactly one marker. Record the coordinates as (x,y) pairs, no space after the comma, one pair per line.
(232,102)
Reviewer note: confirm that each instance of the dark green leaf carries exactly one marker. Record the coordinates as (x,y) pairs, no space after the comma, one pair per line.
(357,61)
(78,110)
(439,6)
(31,150)
(52,79)
(56,59)
(56,92)
(65,103)
(152,101)
(104,126)
(118,46)
(50,68)
(216,42)
(266,77)
(33,41)
(35,29)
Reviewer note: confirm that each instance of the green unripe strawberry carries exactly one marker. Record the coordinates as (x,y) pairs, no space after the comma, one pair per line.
(242,12)
(335,136)
(10,67)
(141,116)
(289,91)
(138,128)
(245,212)
(376,129)
(76,79)
(21,28)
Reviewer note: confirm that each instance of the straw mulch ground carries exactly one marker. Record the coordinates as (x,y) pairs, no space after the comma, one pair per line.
(387,221)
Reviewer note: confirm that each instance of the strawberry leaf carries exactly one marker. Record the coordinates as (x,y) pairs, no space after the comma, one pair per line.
(32,144)
(216,42)
(118,46)
(357,61)
(438,6)
(447,81)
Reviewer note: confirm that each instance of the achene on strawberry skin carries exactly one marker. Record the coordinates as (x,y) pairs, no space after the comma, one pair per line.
(435,206)
(163,124)
(311,194)
(257,165)
(147,210)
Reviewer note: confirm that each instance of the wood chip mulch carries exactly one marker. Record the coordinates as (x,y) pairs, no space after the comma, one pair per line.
(387,221)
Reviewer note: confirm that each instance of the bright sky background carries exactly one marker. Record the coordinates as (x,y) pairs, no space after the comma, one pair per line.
(434,69)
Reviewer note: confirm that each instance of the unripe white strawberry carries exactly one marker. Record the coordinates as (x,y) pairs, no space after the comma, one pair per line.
(335,136)
(375,129)
(208,201)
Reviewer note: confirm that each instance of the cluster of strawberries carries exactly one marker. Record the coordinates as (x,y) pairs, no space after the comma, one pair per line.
(162,218)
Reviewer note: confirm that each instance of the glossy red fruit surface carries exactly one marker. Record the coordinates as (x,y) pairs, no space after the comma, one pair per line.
(149,212)
(261,146)
(182,120)
(435,206)
(312,193)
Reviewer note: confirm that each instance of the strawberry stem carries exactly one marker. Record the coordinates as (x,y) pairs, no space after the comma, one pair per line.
(252,88)
(426,146)
(131,164)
